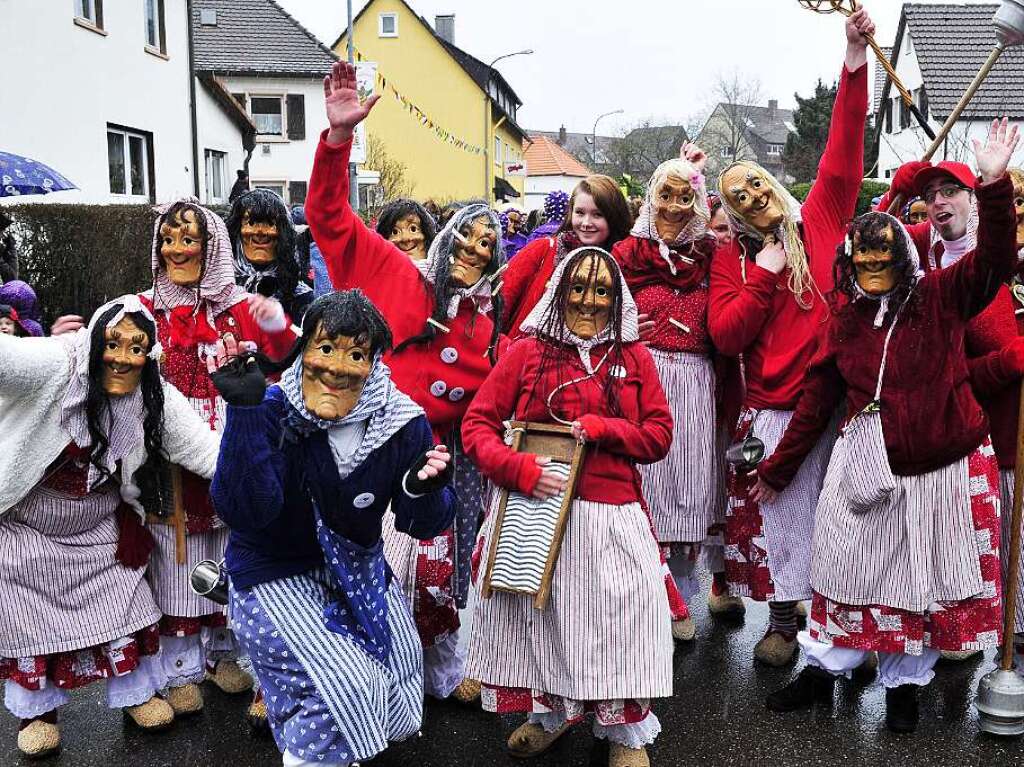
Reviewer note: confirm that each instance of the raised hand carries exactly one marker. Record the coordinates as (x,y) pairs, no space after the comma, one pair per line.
(67,323)
(859,27)
(430,472)
(268,313)
(694,155)
(993,158)
(236,375)
(341,99)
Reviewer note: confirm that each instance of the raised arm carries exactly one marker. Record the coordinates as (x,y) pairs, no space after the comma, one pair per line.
(833,197)
(737,310)
(975,279)
(30,364)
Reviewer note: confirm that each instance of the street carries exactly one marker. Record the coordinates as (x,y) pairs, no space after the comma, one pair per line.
(717,717)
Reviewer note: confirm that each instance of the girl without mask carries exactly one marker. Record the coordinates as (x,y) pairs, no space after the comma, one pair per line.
(89,426)
(581,365)
(445,314)
(596,215)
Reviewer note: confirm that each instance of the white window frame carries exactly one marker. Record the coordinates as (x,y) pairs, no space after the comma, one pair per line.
(91,16)
(128,135)
(281,98)
(275,185)
(153,45)
(726,153)
(380,24)
(216,162)
(775,150)
(497,151)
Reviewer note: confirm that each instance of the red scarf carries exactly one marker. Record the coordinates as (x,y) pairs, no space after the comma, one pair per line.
(643,265)
(190,327)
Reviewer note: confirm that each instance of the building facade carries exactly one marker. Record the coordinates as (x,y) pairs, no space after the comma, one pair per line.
(550,168)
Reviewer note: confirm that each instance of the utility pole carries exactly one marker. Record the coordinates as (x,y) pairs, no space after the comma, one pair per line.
(353,174)
(593,136)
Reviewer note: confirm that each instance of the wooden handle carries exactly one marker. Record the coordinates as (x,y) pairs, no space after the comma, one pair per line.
(964,101)
(179,516)
(1013,567)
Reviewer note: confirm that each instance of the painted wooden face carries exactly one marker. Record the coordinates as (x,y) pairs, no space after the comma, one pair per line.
(334,371)
(673,207)
(474,249)
(181,248)
(753,198)
(590,299)
(1018,205)
(873,264)
(259,241)
(407,235)
(125,346)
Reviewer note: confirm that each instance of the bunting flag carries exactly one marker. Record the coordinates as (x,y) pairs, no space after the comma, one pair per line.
(386,86)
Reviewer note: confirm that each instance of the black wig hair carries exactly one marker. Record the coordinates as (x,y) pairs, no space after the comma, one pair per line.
(552,326)
(444,290)
(870,230)
(397,209)
(267,207)
(97,402)
(343,313)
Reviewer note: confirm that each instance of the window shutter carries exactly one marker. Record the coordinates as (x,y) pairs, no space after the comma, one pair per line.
(240,98)
(99,14)
(296,116)
(297,192)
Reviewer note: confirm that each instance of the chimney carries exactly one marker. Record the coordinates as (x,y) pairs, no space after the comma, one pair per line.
(562,136)
(445,27)
(773,108)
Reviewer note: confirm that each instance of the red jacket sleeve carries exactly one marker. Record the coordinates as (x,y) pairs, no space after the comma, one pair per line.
(648,440)
(994,347)
(972,282)
(483,426)
(824,390)
(275,345)
(517,278)
(833,197)
(356,256)
(737,311)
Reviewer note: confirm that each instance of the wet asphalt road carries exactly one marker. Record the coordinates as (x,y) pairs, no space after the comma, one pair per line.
(717,717)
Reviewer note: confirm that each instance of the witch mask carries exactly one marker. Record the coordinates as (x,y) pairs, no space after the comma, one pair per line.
(408,236)
(259,241)
(752,197)
(474,248)
(334,371)
(673,207)
(125,346)
(181,248)
(1017,175)
(589,302)
(874,261)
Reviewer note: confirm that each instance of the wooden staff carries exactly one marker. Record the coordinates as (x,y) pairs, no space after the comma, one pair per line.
(1013,568)
(179,518)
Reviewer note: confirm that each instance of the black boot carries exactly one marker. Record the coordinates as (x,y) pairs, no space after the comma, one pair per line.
(901,712)
(812,685)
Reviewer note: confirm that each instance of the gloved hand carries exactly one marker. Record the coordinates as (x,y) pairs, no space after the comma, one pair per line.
(430,472)
(240,381)
(903,181)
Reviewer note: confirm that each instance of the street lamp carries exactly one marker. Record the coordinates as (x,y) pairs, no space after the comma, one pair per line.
(487,118)
(594,133)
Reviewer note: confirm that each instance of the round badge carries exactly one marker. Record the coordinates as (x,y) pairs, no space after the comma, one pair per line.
(449,355)
(438,388)
(363,500)
(456,394)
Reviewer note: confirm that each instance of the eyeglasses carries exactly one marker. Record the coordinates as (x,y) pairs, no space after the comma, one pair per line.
(948,192)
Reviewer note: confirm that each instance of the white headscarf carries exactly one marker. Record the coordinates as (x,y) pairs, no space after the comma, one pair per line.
(696,227)
(534,321)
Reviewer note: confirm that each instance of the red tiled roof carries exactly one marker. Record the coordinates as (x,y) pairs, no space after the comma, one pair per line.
(544,157)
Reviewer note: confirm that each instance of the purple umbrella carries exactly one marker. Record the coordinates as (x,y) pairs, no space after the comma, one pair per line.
(23,175)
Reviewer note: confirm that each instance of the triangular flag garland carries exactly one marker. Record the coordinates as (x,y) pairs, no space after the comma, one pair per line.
(384,86)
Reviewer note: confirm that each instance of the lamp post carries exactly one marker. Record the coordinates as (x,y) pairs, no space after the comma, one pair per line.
(353,172)
(487,118)
(593,134)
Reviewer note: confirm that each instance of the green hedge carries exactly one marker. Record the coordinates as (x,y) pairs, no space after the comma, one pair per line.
(868,191)
(77,257)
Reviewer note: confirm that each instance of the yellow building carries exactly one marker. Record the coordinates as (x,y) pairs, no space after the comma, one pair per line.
(433,115)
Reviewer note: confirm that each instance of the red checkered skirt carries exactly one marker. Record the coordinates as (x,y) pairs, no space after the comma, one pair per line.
(77,668)
(518,700)
(969,624)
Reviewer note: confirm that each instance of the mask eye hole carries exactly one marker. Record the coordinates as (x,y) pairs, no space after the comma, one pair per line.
(111,346)
(602,292)
(137,351)
(357,356)
(325,349)
(757,184)
(578,290)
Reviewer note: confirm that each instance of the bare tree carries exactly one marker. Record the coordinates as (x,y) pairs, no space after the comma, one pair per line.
(725,135)
(643,147)
(394,181)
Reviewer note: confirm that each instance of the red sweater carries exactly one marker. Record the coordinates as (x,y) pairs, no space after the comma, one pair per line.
(682,296)
(930,417)
(440,376)
(525,281)
(761,318)
(519,390)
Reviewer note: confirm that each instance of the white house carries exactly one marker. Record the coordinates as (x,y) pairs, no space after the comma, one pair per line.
(274,68)
(101,91)
(549,167)
(937,52)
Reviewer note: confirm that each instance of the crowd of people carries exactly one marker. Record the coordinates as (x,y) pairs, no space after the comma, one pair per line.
(817,407)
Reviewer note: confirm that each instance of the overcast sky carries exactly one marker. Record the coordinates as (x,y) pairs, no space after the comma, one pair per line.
(651,58)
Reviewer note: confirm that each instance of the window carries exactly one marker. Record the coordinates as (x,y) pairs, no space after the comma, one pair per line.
(888,117)
(387,25)
(267,114)
(216,173)
(726,152)
(128,161)
(497,151)
(775,150)
(90,11)
(153,12)
(277,187)
(904,113)
(921,99)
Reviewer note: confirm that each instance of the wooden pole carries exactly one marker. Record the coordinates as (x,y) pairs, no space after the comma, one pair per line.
(178,520)
(1013,568)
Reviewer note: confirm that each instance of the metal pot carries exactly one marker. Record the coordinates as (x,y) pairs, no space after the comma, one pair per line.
(1009,23)
(209,579)
(745,455)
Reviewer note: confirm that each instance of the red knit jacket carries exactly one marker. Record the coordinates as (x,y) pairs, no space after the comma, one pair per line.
(525,280)
(930,416)
(519,389)
(758,316)
(440,376)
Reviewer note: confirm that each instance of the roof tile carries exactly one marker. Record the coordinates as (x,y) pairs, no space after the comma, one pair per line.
(544,157)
